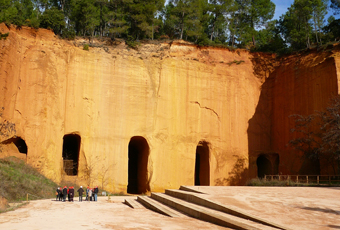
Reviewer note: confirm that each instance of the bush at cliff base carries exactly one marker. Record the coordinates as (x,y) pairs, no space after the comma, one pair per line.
(18,179)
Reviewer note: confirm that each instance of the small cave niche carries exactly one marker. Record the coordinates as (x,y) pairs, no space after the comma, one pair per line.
(18,142)
(137,166)
(71,147)
(202,164)
(267,164)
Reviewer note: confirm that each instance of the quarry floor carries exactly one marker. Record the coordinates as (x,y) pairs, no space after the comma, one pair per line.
(293,207)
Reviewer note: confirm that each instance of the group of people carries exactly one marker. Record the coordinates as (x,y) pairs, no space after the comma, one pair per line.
(91,193)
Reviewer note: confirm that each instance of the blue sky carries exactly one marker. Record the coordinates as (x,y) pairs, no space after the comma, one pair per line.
(282,5)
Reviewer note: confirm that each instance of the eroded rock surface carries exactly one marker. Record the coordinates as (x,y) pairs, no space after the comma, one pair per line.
(109,101)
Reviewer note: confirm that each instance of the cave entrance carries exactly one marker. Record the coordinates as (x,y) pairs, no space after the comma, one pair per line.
(19,143)
(267,164)
(137,166)
(71,147)
(15,146)
(202,164)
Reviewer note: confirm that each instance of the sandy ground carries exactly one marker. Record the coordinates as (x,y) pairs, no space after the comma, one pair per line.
(296,208)
(104,214)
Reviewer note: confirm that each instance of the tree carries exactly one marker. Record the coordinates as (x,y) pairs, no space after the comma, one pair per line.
(85,16)
(53,19)
(141,17)
(8,12)
(217,23)
(318,135)
(319,10)
(117,23)
(335,5)
(269,39)
(234,22)
(295,26)
(183,18)
(19,12)
(299,21)
(332,30)
(330,129)
(308,136)
(253,14)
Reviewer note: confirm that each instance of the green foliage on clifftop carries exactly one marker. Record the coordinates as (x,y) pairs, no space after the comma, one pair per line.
(234,23)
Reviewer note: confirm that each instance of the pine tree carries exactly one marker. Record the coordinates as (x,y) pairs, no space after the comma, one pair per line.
(141,17)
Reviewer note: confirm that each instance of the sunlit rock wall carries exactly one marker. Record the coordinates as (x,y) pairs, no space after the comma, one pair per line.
(172,94)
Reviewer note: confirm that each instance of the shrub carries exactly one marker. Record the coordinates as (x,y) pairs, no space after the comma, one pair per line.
(132,44)
(262,182)
(86,47)
(3,36)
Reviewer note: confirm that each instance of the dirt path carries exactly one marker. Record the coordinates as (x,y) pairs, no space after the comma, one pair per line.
(48,214)
(293,207)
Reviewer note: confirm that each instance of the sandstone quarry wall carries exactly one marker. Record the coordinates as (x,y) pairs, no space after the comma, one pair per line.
(168,101)
(302,84)
(174,95)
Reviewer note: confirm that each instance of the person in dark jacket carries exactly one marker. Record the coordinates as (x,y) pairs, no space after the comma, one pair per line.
(64,193)
(80,191)
(71,193)
(95,192)
(59,194)
(87,193)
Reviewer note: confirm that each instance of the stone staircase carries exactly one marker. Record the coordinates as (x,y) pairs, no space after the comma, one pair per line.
(176,203)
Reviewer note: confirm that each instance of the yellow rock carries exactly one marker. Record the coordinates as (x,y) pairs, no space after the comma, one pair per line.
(139,119)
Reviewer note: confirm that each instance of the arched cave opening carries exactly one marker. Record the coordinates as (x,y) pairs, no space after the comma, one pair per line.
(71,147)
(267,164)
(202,164)
(19,143)
(137,166)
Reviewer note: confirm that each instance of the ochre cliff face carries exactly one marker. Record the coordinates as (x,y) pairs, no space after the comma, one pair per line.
(301,85)
(176,97)
(150,119)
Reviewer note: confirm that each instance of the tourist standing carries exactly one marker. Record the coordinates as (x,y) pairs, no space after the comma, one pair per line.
(57,194)
(71,192)
(90,194)
(64,193)
(87,193)
(95,193)
(60,194)
(80,191)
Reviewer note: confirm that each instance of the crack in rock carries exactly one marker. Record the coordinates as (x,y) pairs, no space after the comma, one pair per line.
(204,107)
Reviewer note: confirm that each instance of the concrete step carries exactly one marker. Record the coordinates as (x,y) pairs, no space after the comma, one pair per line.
(158,207)
(190,189)
(207,214)
(133,203)
(196,198)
